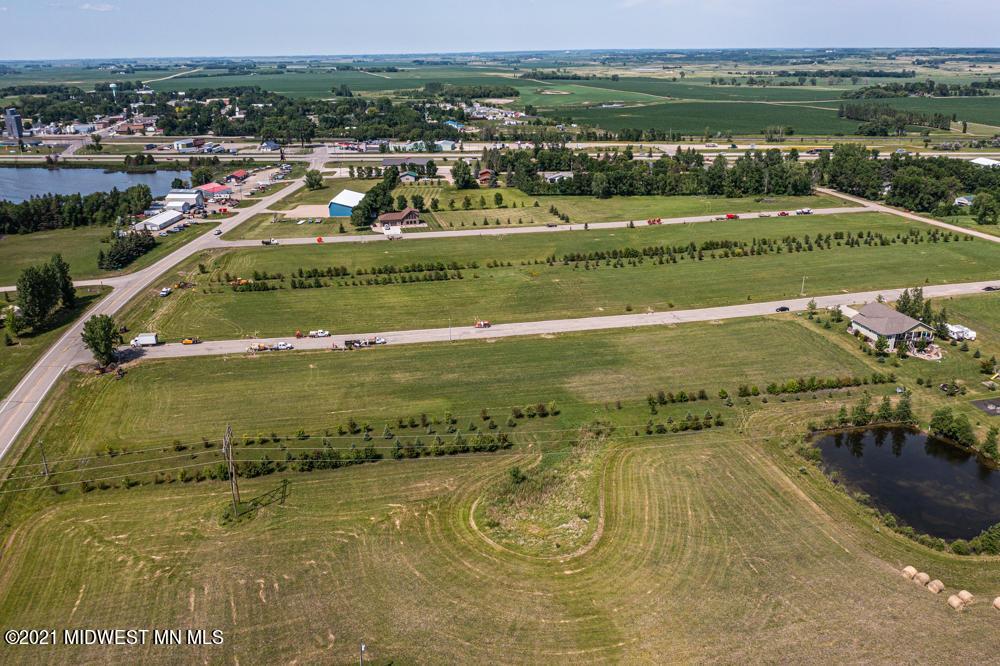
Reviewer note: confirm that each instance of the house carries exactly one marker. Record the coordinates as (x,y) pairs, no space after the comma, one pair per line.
(237,176)
(407,217)
(445,145)
(875,320)
(966,200)
(400,161)
(409,177)
(269,146)
(556,176)
(82,128)
(342,204)
(160,221)
(214,190)
(486,177)
(455,124)
(184,200)
(183,144)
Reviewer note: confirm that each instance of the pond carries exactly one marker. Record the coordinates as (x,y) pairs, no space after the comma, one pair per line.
(21,184)
(928,484)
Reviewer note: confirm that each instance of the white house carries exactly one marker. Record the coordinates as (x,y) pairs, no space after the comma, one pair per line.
(878,320)
(965,201)
(160,221)
(269,146)
(556,176)
(445,145)
(183,144)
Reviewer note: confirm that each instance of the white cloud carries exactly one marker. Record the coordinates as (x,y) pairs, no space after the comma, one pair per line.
(97,7)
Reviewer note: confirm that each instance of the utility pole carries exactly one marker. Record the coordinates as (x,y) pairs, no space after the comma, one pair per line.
(45,464)
(227,451)
(361,660)
(802,292)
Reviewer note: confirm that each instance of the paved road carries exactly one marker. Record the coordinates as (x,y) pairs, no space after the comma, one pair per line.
(19,406)
(554,326)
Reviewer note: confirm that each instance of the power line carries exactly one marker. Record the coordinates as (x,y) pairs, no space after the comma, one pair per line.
(471,454)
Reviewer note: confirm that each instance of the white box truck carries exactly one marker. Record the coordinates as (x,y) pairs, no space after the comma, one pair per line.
(145,340)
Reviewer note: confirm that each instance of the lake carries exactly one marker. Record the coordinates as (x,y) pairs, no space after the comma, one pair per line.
(21,184)
(932,486)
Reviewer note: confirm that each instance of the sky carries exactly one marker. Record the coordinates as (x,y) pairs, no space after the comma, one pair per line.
(40,29)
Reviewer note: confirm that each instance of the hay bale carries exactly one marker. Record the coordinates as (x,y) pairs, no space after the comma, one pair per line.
(955,602)
(965,596)
(909,572)
(996,603)
(921,578)
(935,586)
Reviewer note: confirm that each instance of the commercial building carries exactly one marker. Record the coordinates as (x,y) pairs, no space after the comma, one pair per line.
(184,200)
(160,221)
(13,127)
(342,204)
(214,190)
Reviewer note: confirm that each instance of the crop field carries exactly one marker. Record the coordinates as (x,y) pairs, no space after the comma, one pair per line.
(702,544)
(984,110)
(519,206)
(694,117)
(300,83)
(79,247)
(508,278)
(75,76)
(16,359)
(695,91)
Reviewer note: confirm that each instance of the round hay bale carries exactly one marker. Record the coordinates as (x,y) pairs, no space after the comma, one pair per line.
(935,586)
(909,572)
(965,596)
(996,603)
(921,578)
(955,602)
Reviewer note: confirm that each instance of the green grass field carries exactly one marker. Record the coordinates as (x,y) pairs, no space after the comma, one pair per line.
(731,542)
(518,205)
(15,360)
(695,116)
(529,289)
(79,247)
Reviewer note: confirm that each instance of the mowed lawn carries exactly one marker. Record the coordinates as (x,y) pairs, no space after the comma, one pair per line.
(581,372)
(615,209)
(386,554)
(79,247)
(529,289)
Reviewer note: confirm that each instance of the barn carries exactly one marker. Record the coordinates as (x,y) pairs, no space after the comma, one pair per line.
(342,204)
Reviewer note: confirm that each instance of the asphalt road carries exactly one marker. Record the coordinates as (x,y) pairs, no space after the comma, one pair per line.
(553,326)
(20,405)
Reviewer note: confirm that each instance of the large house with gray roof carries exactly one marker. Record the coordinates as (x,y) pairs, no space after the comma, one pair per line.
(875,320)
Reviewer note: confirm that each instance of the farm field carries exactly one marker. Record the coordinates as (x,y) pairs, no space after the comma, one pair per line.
(983,110)
(79,247)
(17,359)
(695,91)
(773,552)
(695,116)
(616,209)
(529,289)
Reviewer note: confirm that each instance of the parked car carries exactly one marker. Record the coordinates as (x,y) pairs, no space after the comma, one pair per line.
(732,216)
(781,308)
(804,211)
(190,341)
(991,288)
(381,341)
(783,213)
(166,291)
(283,346)
(319,334)
(217,232)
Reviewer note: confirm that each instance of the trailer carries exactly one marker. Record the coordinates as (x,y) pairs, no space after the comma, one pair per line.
(145,340)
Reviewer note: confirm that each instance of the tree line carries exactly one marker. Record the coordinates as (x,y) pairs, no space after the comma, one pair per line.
(63,211)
